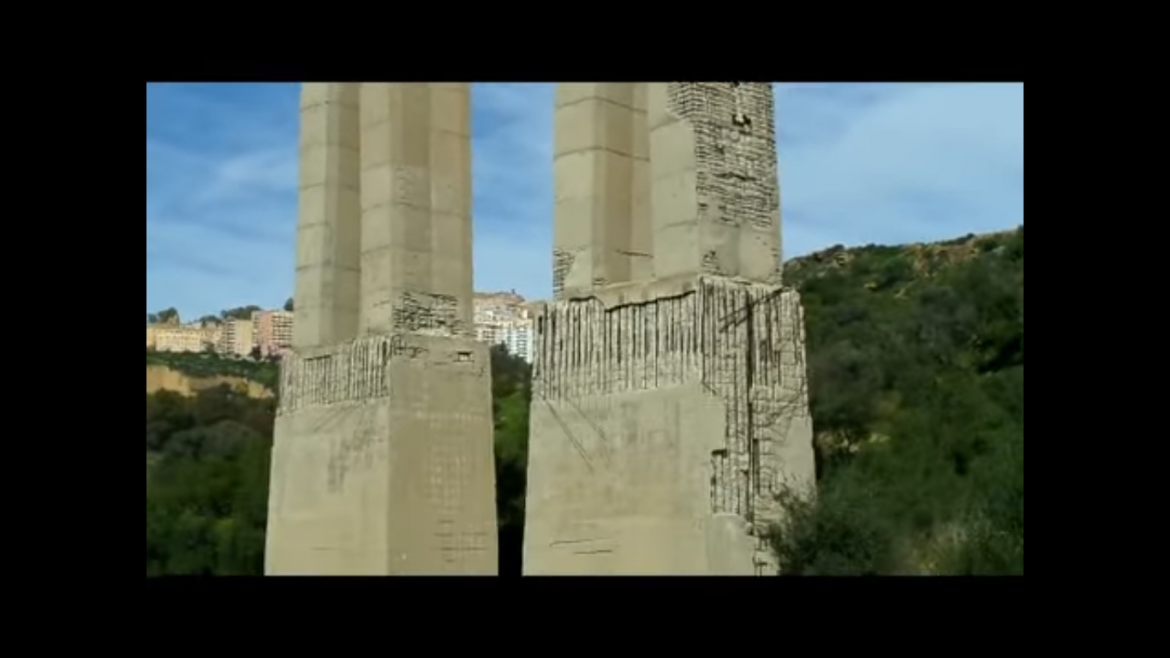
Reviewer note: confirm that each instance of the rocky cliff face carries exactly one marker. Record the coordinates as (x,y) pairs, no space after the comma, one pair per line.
(162,378)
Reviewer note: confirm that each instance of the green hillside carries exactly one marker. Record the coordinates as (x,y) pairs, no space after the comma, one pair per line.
(916,378)
(916,375)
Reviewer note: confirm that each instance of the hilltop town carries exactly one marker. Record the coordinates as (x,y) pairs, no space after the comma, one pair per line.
(251,332)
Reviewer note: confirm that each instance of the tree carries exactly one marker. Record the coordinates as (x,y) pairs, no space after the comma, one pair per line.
(916,377)
(167,316)
(240,313)
(289,305)
(511,396)
(207,484)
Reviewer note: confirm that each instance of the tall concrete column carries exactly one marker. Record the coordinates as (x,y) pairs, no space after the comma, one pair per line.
(416,208)
(451,231)
(382,462)
(601,232)
(396,204)
(329,216)
(716,201)
(669,413)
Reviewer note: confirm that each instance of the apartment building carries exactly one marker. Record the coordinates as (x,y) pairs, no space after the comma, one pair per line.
(516,335)
(502,318)
(176,337)
(272,331)
(236,337)
(212,331)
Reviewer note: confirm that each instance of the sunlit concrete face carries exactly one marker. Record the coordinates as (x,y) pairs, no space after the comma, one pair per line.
(602,226)
(328,272)
(670,400)
(382,462)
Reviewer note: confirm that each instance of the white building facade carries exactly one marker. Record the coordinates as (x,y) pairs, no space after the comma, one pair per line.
(504,319)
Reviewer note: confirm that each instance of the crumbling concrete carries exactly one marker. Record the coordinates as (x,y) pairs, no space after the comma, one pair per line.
(714,180)
(667,413)
(382,462)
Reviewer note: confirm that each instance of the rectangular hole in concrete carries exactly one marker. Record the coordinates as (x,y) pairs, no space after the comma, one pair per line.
(463,357)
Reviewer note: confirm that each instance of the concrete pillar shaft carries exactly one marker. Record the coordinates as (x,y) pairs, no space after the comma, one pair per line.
(329,216)
(416,208)
(451,235)
(601,228)
(716,198)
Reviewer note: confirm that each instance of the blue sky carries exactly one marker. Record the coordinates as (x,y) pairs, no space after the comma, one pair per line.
(860,163)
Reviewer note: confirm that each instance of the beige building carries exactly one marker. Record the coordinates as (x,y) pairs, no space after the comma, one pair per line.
(151,337)
(236,337)
(211,335)
(176,337)
(272,331)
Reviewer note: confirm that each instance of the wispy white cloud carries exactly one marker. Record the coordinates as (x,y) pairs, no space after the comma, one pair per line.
(899,163)
(859,164)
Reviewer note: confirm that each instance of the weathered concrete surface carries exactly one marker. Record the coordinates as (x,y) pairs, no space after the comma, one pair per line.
(668,413)
(381,464)
(601,169)
(665,418)
(715,188)
(383,461)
